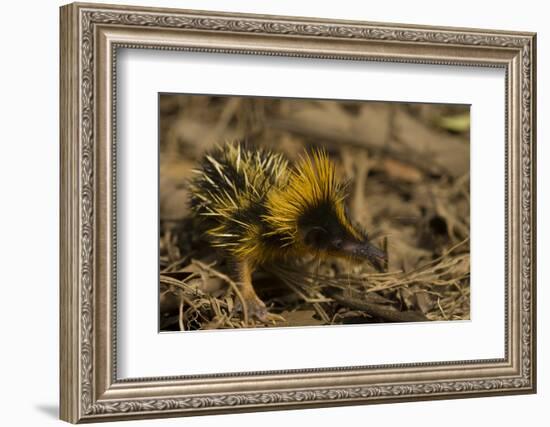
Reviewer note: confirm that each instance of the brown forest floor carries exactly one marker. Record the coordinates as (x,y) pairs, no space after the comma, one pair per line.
(409,165)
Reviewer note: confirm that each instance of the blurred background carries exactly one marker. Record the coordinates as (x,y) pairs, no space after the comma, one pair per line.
(408,165)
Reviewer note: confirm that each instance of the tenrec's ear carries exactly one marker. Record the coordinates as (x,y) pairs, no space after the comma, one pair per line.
(315,236)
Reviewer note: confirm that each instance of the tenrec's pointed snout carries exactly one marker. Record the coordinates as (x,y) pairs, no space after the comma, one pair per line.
(366,250)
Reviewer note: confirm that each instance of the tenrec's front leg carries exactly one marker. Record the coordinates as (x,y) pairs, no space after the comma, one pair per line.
(254,306)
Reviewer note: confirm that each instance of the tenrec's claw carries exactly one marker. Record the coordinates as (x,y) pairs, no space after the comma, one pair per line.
(256,309)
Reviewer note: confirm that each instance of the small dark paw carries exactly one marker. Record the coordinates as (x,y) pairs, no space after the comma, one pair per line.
(256,309)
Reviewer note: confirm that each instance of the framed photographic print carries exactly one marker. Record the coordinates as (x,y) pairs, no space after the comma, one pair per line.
(266,212)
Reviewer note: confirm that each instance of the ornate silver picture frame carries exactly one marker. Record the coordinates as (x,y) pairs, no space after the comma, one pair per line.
(91,36)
